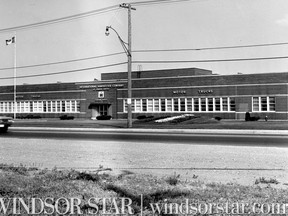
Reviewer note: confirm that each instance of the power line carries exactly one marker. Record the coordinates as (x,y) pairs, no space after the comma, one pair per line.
(210,60)
(62,62)
(211,48)
(155,50)
(63,19)
(64,72)
(151,62)
(154,2)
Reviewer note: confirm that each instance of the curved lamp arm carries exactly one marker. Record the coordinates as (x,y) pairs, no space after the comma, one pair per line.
(123,43)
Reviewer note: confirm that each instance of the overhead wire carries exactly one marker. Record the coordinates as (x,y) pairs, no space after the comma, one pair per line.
(62,62)
(149,50)
(211,48)
(154,2)
(148,62)
(62,19)
(64,72)
(210,60)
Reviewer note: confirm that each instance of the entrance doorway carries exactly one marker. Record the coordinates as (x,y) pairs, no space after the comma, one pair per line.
(100,109)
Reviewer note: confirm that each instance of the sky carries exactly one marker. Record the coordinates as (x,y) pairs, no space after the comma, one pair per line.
(191,24)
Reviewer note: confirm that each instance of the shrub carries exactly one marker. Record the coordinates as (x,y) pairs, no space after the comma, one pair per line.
(151,118)
(218,118)
(141,117)
(266,181)
(255,118)
(104,117)
(66,117)
(173,180)
(251,118)
(247,116)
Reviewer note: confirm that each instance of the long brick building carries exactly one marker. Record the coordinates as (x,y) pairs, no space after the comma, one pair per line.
(158,92)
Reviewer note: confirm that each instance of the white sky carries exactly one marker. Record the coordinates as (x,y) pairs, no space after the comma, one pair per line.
(190,24)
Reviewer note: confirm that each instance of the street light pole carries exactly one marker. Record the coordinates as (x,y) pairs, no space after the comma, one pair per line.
(129,98)
(128,52)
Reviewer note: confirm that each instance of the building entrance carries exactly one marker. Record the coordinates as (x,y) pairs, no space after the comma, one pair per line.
(100,109)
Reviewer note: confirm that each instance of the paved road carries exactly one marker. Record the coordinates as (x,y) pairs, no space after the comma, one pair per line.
(174,138)
(211,157)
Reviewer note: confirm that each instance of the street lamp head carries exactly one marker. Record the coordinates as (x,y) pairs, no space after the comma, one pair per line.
(107,31)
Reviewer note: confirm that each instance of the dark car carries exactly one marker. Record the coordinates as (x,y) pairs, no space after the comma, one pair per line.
(5,123)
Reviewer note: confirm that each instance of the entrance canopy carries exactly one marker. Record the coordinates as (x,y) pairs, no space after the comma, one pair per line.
(95,104)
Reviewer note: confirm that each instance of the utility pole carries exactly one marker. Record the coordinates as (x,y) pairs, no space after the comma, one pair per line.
(129,80)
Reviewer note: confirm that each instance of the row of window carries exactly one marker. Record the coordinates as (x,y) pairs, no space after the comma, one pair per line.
(63,106)
(217,104)
(263,104)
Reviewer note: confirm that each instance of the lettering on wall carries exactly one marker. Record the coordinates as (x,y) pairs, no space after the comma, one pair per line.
(101,86)
(35,96)
(179,92)
(209,91)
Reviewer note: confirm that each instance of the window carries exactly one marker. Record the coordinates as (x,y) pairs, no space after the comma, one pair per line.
(73,106)
(149,105)
(58,106)
(10,107)
(68,106)
(224,104)
(133,105)
(125,105)
(22,107)
(263,104)
(196,104)
(63,106)
(217,104)
(163,105)
(169,105)
(44,106)
(189,104)
(232,104)
(156,105)
(53,106)
(40,106)
(182,104)
(203,104)
(144,105)
(78,106)
(49,106)
(176,104)
(255,104)
(137,105)
(272,104)
(18,107)
(210,104)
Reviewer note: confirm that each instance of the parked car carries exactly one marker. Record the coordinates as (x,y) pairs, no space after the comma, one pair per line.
(5,123)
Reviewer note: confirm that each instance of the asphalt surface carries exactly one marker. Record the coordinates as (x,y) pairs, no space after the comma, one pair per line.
(219,137)
(212,158)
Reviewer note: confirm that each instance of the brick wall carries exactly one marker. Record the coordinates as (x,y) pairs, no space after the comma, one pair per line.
(157,73)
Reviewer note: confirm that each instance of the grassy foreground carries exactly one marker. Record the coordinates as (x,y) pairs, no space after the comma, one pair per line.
(30,182)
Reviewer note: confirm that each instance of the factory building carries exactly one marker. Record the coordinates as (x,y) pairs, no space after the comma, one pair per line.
(155,93)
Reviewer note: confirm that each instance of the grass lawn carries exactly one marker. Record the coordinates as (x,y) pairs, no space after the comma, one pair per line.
(210,124)
(26,183)
(223,124)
